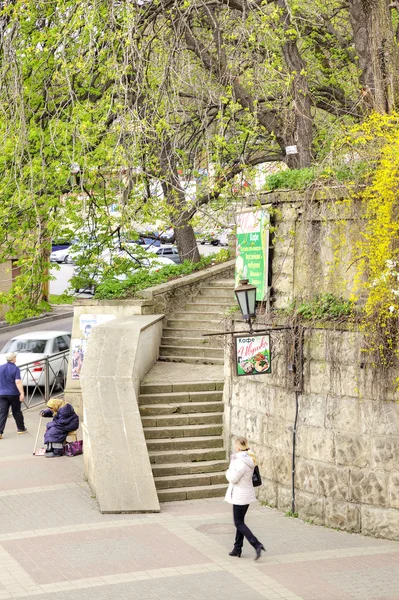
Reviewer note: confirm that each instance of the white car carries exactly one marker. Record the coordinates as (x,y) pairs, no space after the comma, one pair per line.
(33,347)
(166,251)
(61,256)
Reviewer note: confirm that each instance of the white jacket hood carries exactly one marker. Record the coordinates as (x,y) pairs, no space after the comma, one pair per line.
(244,456)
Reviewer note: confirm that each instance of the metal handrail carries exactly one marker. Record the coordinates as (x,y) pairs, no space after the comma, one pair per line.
(44,376)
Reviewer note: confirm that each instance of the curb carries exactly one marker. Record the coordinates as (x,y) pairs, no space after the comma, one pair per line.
(36,320)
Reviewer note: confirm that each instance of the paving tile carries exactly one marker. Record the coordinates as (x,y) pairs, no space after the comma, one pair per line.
(48,516)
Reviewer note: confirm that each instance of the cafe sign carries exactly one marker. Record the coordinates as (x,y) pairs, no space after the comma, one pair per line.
(252,355)
(252,252)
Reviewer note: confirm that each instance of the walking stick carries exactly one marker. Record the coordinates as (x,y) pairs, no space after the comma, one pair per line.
(41,451)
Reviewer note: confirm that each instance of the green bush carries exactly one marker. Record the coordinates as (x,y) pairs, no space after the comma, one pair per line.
(292,179)
(111,287)
(324,306)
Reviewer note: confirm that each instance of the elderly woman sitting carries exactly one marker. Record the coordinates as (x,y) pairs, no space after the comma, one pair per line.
(64,421)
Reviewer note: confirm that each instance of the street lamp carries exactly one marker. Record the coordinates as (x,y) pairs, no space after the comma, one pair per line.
(246,298)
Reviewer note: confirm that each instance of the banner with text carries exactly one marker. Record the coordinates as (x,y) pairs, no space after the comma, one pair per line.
(252,355)
(252,254)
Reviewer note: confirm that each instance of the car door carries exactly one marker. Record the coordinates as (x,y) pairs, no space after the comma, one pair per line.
(57,362)
(169,253)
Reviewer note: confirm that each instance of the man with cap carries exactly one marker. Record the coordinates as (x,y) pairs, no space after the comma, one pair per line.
(11,394)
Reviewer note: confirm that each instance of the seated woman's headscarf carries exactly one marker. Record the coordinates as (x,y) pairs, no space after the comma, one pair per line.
(55,404)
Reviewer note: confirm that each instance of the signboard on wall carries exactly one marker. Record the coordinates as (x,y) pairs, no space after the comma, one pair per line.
(78,345)
(252,355)
(252,252)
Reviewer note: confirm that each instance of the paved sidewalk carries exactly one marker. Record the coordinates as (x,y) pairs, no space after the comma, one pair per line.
(55,545)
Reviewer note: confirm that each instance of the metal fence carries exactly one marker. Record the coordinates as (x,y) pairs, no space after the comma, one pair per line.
(45,378)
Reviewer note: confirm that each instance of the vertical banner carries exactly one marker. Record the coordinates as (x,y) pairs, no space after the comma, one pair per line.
(252,255)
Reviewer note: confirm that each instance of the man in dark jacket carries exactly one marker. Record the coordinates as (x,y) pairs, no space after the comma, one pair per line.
(11,394)
(64,421)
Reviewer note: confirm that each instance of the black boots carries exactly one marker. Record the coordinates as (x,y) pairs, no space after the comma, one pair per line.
(259,550)
(235,552)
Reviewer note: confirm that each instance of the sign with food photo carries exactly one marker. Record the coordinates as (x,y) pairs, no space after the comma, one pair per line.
(253,355)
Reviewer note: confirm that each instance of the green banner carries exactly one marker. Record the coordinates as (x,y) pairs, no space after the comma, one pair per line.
(252,253)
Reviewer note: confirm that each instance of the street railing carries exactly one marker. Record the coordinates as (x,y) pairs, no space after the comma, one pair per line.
(44,378)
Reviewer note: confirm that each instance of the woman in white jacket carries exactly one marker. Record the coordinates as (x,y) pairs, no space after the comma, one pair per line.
(240,494)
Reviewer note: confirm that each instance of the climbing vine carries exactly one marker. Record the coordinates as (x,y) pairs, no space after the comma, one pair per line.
(376,251)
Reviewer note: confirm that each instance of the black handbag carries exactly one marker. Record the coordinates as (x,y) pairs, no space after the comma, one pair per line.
(256,478)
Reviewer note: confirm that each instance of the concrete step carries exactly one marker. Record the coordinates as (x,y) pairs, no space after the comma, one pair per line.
(192,493)
(191,457)
(192,360)
(190,334)
(196,307)
(208,297)
(180,409)
(179,397)
(189,431)
(216,294)
(228,284)
(187,324)
(188,341)
(182,420)
(189,480)
(189,387)
(184,443)
(207,352)
(185,468)
(193,316)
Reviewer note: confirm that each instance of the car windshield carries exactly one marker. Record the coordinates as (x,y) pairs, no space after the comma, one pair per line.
(26,345)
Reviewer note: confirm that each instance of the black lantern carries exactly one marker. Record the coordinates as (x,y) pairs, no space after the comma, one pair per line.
(246,298)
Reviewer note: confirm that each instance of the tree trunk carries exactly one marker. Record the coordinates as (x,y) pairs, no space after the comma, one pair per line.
(298,128)
(175,197)
(375,45)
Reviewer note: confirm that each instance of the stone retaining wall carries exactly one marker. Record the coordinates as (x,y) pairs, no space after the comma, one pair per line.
(347,450)
(347,453)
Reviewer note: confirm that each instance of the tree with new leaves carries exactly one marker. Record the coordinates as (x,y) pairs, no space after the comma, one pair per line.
(144,98)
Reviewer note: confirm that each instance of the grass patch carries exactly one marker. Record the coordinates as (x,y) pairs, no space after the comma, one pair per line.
(62,299)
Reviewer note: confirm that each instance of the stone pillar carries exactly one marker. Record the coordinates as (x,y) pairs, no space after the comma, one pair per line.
(117,464)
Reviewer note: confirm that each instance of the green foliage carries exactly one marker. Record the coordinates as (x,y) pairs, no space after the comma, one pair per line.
(324,307)
(62,299)
(292,515)
(110,287)
(293,179)
(301,179)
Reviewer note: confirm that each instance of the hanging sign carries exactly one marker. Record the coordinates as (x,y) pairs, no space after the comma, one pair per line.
(252,252)
(252,355)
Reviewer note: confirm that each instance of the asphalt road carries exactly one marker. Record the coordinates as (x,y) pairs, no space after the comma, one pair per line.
(60,325)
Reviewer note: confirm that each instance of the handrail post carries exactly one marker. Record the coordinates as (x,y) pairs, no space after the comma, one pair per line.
(46,380)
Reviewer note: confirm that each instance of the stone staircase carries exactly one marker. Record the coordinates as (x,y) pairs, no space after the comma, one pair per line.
(183,339)
(182,419)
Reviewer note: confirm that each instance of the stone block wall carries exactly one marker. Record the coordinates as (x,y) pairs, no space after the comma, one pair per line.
(347,451)
(310,236)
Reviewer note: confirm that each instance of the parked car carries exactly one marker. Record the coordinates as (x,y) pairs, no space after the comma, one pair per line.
(209,237)
(170,252)
(60,245)
(62,256)
(168,236)
(224,237)
(33,346)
